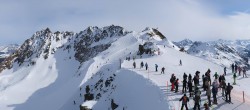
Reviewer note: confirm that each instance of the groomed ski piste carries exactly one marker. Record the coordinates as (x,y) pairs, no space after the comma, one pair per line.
(53,84)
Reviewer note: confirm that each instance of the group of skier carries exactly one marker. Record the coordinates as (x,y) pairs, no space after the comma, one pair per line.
(146,67)
(192,84)
(211,89)
(236,68)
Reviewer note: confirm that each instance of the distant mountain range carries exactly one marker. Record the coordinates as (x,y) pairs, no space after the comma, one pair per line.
(6,50)
(222,52)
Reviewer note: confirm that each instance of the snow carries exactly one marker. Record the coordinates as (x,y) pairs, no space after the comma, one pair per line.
(89,104)
(53,84)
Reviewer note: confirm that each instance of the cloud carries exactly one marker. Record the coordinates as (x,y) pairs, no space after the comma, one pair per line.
(196,20)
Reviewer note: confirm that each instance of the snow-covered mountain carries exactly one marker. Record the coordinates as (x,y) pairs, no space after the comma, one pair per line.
(49,69)
(6,50)
(222,52)
(186,43)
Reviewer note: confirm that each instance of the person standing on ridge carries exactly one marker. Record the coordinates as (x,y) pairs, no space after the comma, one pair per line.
(215,91)
(190,86)
(180,63)
(208,93)
(172,80)
(228,92)
(197,99)
(162,70)
(146,65)
(234,76)
(239,69)
(232,68)
(185,76)
(244,72)
(134,64)
(216,75)
(225,71)
(235,68)
(142,64)
(184,100)
(184,87)
(156,67)
(176,85)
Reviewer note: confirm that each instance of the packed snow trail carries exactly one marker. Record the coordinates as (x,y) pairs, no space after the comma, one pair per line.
(169,59)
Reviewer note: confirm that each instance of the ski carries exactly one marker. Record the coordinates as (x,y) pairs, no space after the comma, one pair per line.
(227,101)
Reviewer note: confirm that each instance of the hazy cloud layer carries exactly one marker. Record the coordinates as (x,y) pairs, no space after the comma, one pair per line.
(176,19)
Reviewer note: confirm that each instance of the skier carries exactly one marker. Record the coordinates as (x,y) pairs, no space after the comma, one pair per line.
(196,80)
(208,93)
(162,70)
(206,83)
(208,75)
(244,73)
(197,73)
(223,87)
(234,76)
(235,68)
(184,100)
(180,63)
(142,64)
(232,68)
(216,75)
(220,79)
(134,65)
(189,77)
(190,87)
(239,69)
(228,92)
(225,71)
(156,67)
(215,91)
(146,65)
(184,76)
(176,85)
(203,80)
(184,87)
(197,99)
(172,80)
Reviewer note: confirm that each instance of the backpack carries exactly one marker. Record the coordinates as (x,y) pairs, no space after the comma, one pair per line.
(184,98)
(171,80)
(176,82)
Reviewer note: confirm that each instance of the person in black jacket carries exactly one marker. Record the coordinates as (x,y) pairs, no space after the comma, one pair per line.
(228,92)
(189,77)
(184,87)
(184,100)
(176,85)
(185,76)
(232,68)
(190,87)
(235,68)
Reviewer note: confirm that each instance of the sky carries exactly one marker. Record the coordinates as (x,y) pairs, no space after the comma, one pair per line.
(202,20)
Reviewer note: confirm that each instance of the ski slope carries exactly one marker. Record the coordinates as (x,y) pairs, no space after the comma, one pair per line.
(170,60)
